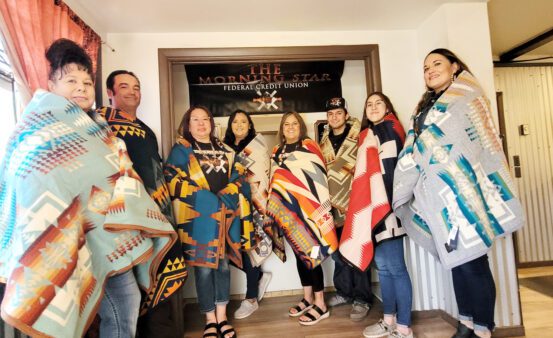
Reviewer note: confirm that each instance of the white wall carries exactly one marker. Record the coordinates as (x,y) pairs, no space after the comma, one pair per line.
(460,27)
(138,52)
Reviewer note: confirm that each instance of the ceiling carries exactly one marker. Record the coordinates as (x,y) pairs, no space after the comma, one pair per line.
(512,22)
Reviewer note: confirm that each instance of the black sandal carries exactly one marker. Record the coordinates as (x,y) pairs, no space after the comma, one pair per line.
(312,319)
(227,331)
(299,310)
(211,326)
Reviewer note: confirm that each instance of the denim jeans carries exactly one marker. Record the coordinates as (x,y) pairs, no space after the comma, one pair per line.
(475,292)
(397,292)
(119,307)
(212,285)
(349,282)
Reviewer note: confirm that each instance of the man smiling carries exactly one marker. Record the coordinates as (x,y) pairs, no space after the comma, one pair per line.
(339,146)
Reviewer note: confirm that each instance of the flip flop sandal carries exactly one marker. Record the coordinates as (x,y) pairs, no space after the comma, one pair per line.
(227,331)
(299,310)
(312,320)
(211,334)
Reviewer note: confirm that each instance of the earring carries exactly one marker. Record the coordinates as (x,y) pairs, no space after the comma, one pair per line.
(452,77)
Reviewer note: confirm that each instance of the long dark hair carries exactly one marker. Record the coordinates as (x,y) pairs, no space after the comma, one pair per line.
(230,138)
(451,57)
(184,126)
(63,52)
(303,127)
(365,122)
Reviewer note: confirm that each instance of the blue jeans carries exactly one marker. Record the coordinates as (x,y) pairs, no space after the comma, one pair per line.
(212,285)
(349,282)
(397,292)
(119,307)
(475,292)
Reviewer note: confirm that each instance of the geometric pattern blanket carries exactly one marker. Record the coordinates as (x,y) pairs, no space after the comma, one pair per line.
(255,158)
(340,167)
(142,148)
(369,205)
(452,189)
(299,206)
(209,224)
(73,212)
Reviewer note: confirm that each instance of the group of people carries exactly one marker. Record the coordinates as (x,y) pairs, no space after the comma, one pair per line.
(93,222)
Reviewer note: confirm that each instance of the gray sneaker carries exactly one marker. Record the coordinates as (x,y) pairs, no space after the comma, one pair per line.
(246,309)
(397,334)
(337,300)
(380,329)
(359,311)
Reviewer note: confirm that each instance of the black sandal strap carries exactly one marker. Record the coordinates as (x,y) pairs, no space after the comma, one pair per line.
(227,331)
(310,316)
(318,309)
(211,326)
(306,303)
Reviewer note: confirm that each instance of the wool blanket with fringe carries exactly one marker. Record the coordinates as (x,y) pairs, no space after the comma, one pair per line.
(209,224)
(340,166)
(452,187)
(299,205)
(73,212)
(255,158)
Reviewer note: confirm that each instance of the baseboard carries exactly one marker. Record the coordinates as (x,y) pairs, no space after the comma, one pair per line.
(534,264)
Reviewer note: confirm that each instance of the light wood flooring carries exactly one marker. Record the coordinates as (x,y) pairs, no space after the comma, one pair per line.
(272,321)
(537,308)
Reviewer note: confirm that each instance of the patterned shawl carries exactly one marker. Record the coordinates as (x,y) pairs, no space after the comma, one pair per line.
(73,212)
(452,188)
(209,224)
(299,206)
(142,148)
(340,169)
(255,158)
(369,204)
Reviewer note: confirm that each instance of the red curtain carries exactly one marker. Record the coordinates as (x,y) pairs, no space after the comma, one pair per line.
(32,25)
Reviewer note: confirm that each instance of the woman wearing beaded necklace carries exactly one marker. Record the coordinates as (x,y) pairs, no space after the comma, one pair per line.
(205,183)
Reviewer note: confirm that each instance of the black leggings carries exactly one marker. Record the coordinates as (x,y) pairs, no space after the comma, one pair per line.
(308,277)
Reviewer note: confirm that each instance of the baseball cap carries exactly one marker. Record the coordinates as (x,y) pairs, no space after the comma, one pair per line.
(335,103)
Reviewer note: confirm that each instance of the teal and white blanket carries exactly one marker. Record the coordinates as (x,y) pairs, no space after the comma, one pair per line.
(452,188)
(72,213)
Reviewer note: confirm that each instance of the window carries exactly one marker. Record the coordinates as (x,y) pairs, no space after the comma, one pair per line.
(7,99)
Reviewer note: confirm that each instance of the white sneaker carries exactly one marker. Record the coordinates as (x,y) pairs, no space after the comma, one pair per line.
(246,309)
(380,329)
(263,284)
(337,300)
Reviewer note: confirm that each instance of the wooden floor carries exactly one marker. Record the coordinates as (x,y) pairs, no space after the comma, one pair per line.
(537,307)
(272,321)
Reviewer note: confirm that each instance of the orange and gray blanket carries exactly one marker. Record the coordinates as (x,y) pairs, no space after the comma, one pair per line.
(452,188)
(340,167)
(73,212)
(299,206)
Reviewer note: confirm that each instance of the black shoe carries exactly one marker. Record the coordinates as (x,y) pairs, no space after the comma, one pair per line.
(463,332)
